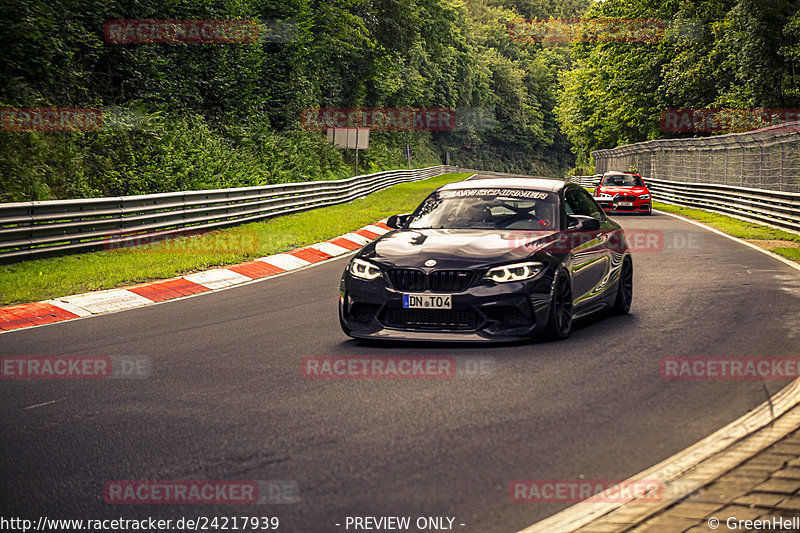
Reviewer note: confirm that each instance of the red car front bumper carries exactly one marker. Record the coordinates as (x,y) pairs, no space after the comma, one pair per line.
(624,204)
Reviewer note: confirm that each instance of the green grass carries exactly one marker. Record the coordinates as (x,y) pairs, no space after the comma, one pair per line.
(791,253)
(731,226)
(61,276)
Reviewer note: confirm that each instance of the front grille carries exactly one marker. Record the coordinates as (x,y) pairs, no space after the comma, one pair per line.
(431,318)
(410,279)
(407,279)
(630,199)
(449,280)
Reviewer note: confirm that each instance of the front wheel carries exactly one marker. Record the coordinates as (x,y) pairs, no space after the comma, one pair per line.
(559,324)
(622,304)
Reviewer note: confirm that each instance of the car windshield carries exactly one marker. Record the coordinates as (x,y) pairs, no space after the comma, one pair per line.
(622,180)
(491,209)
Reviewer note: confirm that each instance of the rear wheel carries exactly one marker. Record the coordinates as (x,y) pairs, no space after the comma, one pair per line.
(559,324)
(622,304)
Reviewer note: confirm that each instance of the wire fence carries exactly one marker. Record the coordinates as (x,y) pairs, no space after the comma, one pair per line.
(768,158)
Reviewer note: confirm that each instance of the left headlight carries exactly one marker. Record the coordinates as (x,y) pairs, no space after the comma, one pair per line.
(361,269)
(604,195)
(515,272)
(644,197)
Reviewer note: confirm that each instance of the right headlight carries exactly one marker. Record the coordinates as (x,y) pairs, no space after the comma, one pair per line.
(364,270)
(515,272)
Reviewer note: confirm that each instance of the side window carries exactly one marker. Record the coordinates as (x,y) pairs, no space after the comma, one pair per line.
(568,202)
(578,202)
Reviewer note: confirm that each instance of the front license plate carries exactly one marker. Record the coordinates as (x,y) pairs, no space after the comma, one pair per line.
(626,204)
(427,301)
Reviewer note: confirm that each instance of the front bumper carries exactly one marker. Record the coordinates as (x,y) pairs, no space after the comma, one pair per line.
(637,206)
(494,312)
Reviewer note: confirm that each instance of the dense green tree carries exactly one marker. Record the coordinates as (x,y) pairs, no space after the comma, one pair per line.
(714,53)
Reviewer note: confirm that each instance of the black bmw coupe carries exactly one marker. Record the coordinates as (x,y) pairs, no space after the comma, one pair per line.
(489,259)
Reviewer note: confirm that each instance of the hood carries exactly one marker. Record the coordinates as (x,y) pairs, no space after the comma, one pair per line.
(456,248)
(623,190)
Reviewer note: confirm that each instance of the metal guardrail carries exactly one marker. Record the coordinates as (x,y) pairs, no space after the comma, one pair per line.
(781,209)
(58,227)
(586,181)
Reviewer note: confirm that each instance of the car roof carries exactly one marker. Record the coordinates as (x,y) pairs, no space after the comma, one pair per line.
(620,172)
(537,184)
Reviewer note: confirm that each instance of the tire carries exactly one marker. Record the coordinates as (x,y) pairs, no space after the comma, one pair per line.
(559,323)
(622,303)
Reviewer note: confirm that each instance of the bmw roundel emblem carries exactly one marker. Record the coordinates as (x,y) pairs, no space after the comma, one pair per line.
(430,262)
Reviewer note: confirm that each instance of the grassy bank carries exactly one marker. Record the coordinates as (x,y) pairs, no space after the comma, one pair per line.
(185,153)
(61,276)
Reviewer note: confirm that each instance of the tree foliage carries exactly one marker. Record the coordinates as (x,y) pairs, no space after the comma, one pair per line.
(714,54)
(214,115)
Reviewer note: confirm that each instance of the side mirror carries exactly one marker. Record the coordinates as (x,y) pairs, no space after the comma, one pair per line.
(582,223)
(398,221)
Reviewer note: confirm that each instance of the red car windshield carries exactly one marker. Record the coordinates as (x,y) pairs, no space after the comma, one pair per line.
(622,180)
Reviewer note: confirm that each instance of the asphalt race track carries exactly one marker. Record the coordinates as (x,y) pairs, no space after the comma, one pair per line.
(226,399)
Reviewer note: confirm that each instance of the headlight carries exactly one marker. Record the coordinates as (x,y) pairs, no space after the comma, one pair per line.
(604,195)
(644,197)
(361,269)
(515,272)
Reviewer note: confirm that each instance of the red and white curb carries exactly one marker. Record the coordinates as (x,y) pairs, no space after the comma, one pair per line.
(93,303)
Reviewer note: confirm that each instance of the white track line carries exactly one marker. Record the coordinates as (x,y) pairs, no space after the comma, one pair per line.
(708,453)
(731,237)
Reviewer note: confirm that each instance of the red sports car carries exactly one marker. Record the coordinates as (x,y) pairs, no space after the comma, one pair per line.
(623,192)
